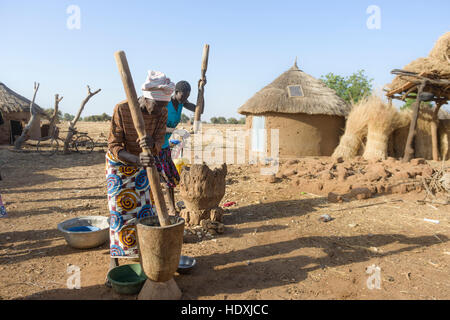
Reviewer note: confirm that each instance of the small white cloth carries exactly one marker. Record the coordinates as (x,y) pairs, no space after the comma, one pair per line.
(157,86)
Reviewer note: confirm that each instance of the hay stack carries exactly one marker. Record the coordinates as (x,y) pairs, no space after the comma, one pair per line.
(400,135)
(383,119)
(422,141)
(441,50)
(355,130)
(444,138)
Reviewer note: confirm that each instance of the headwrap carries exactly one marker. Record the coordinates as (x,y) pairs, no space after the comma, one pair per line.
(157,86)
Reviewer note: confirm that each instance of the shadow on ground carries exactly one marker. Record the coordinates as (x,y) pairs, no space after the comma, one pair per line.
(258,267)
(213,275)
(23,169)
(21,246)
(98,292)
(273,210)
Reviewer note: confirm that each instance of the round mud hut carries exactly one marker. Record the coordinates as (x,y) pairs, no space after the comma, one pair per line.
(14,114)
(309,116)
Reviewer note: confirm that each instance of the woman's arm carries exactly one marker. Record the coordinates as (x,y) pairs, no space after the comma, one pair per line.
(189,106)
(127,157)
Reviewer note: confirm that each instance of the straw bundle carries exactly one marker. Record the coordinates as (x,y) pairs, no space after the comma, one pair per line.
(441,50)
(355,130)
(422,142)
(400,135)
(383,120)
(444,138)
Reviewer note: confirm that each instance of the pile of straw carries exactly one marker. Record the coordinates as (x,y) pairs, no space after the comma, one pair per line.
(422,141)
(400,135)
(383,120)
(441,50)
(355,130)
(444,138)
(436,65)
(373,121)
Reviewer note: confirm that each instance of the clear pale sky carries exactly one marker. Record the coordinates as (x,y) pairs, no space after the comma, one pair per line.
(251,43)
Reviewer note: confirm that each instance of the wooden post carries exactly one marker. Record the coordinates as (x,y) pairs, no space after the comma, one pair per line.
(409,148)
(33,111)
(139,124)
(73,123)
(53,120)
(434,131)
(201,89)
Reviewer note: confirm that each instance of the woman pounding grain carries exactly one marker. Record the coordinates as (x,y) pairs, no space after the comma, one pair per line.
(129,195)
(164,161)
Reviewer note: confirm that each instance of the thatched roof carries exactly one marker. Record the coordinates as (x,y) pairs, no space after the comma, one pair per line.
(11,101)
(435,66)
(317,97)
(429,67)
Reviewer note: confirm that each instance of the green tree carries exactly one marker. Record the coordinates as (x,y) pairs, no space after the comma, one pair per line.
(241,120)
(106,117)
(213,120)
(232,121)
(352,88)
(221,120)
(410,101)
(96,118)
(68,117)
(50,111)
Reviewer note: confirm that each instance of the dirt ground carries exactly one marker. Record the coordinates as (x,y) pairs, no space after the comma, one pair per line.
(274,245)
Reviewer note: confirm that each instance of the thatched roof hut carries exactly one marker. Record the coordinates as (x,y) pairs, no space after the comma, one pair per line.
(15,112)
(310,116)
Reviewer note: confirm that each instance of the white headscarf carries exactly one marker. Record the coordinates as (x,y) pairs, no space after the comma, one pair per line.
(157,86)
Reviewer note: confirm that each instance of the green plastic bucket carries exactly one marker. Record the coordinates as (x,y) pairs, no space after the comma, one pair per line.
(127,279)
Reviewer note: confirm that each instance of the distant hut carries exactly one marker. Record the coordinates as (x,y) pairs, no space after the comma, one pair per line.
(310,116)
(15,112)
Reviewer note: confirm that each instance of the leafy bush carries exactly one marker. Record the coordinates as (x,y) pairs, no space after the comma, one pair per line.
(352,88)
(96,118)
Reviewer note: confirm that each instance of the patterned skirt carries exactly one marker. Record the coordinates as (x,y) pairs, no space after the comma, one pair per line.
(129,199)
(165,162)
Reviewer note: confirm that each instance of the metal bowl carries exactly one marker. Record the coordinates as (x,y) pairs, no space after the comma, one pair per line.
(85,232)
(186,264)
